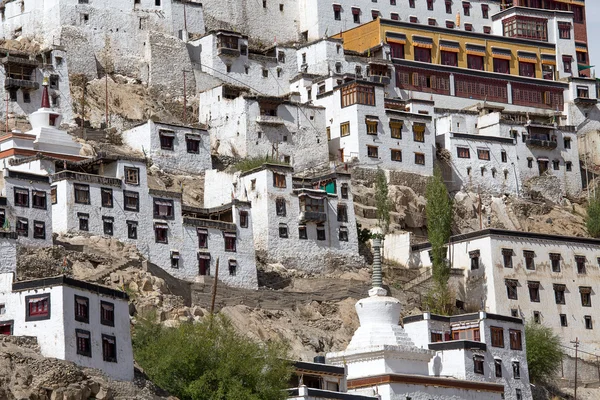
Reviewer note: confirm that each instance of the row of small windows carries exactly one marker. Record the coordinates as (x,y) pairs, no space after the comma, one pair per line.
(372,128)
(321,235)
(279,181)
(395,155)
(356,12)
(167,141)
(564,322)
(585,292)
(554,258)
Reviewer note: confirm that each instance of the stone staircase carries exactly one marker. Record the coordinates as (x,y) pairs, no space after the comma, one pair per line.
(419,280)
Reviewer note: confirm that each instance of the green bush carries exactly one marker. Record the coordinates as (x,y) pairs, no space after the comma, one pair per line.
(211,361)
(544,352)
(593,218)
(248,164)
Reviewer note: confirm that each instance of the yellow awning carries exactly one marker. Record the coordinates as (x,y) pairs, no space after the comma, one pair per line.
(395,41)
(581,49)
(549,62)
(476,52)
(423,45)
(502,56)
(450,48)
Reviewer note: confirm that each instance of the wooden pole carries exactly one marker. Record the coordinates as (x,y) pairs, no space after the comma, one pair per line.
(106,95)
(214,289)
(7,100)
(185,103)
(576,342)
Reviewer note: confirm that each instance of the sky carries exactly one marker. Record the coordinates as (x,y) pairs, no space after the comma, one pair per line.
(593,27)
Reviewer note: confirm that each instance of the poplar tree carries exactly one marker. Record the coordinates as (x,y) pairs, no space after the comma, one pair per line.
(382,202)
(593,217)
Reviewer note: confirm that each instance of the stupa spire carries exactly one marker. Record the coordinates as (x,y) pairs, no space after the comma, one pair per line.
(45,96)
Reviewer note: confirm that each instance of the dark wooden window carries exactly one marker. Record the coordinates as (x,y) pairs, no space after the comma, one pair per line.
(396,155)
(372,151)
(343,234)
(109,346)
(302,234)
(163,208)
(22,227)
(516,369)
(38,307)
(161,233)
(563,320)
(243,219)
(39,199)
(511,289)
(586,296)
(283,231)
(342,213)
(167,139)
(39,230)
(478,364)
(108,225)
(21,197)
(498,368)
(202,238)
(463,152)
(83,222)
(580,261)
(84,343)
(203,264)
(107,313)
(132,232)
(534,291)
(279,180)
(358,94)
(529,259)
(474,256)
(192,145)
(588,322)
(53,195)
(526,27)
(559,293)
(82,194)
(230,241)
(280,207)
(132,176)
(321,232)
(564,30)
(497,336)
(515,339)
(419,158)
(483,154)
(396,129)
(107,197)
(131,201)
(507,255)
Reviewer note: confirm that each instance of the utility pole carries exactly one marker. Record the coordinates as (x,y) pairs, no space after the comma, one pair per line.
(6,117)
(214,289)
(479,208)
(106,95)
(185,19)
(576,343)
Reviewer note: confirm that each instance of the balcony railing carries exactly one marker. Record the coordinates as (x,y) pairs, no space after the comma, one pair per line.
(209,223)
(546,144)
(269,120)
(226,51)
(380,79)
(86,178)
(19,61)
(20,83)
(313,216)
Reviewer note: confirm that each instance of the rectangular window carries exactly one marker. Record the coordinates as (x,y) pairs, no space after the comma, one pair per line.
(373,151)
(343,234)
(53,195)
(526,27)
(344,192)
(163,208)
(564,30)
(422,54)
(321,232)
(107,224)
(498,368)
(475,62)
(529,259)
(515,339)
(84,343)
(109,343)
(37,307)
(396,155)
(203,264)
(161,233)
(463,152)
(430,5)
(586,296)
(527,69)
(230,241)
(501,66)
(167,139)
(107,197)
(22,227)
(559,293)
(448,7)
(82,194)
(232,267)
(342,213)
(466,8)
(192,145)
(39,230)
(411,3)
(567,60)
(280,207)
(419,158)
(107,313)
(202,238)
(358,94)
(243,219)
(511,288)
(302,234)
(474,256)
(397,50)
(497,336)
(283,231)
(503,156)
(485,11)
(21,197)
(580,261)
(345,129)
(356,15)
(372,126)
(534,291)
(132,232)
(396,129)
(131,201)
(83,222)
(449,58)
(588,322)
(419,132)
(39,199)
(82,309)
(478,363)
(516,369)
(132,176)
(174,259)
(436,337)
(563,320)
(279,180)
(507,255)
(483,154)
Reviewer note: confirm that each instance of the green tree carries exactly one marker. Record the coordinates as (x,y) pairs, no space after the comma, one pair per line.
(211,361)
(382,202)
(439,223)
(593,217)
(544,352)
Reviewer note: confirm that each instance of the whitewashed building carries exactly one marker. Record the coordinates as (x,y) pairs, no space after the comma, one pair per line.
(548,278)
(89,323)
(364,126)
(479,347)
(27,209)
(8,246)
(221,234)
(230,57)
(305,223)
(382,359)
(500,152)
(243,125)
(176,148)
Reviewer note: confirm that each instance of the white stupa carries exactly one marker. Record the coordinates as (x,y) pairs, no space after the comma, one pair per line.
(380,345)
(44,126)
